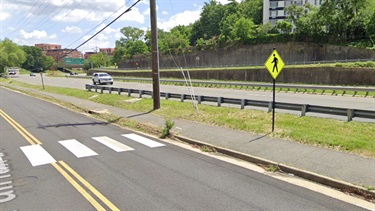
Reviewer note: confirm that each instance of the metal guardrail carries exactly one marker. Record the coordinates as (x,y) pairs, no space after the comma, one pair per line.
(303,108)
(252,86)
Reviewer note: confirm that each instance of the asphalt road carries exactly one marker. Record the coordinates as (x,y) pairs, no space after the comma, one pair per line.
(346,101)
(45,171)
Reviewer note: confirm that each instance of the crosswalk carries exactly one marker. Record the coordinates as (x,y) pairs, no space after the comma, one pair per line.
(37,155)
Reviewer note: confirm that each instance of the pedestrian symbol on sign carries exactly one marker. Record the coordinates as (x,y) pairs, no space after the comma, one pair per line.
(274,64)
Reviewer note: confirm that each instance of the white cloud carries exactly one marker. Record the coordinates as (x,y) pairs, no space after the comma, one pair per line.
(4,16)
(226,1)
(72,29)
(36,34)
(184,18)
(164,13)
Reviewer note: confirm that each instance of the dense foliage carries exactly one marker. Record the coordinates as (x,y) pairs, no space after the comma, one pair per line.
(241,23)
(36,59)
(10,55)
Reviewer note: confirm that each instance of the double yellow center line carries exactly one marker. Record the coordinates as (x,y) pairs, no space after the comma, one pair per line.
(30,138)
(71,175)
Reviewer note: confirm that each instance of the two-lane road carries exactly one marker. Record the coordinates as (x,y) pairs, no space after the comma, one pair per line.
(347,101)
(57,159)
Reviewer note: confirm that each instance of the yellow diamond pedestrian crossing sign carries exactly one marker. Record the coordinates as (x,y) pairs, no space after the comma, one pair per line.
(274,64)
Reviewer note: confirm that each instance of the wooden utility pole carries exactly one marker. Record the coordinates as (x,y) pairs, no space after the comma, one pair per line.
(155,56)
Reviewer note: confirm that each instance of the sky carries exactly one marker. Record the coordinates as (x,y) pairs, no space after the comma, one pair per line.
(70,23)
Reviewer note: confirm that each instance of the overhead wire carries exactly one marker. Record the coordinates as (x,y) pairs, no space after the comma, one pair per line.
(23,18)
(97,25)
(127,10)
(41,23)
(29,21)
(187,77)
(66,15)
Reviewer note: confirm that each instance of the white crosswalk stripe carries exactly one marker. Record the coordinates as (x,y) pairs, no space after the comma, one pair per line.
(37,155)
(142,140)
(77,148)
(115,145)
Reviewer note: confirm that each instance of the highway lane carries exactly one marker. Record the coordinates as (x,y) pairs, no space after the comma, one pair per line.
(366,103)
(162,177)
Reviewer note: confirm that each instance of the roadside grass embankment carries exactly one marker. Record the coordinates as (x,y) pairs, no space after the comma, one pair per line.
(353,137)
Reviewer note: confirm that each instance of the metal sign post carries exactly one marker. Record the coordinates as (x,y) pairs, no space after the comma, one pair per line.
(274,65)
(41,76)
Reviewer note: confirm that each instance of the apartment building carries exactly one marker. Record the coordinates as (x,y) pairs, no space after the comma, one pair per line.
(108,51)
(273,10)
(58,53)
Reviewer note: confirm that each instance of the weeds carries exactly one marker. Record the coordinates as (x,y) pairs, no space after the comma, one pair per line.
(167,128)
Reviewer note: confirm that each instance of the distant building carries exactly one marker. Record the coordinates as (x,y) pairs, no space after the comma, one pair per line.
(47,47)
(108,51)
(273,10)
(88,54)
(61,54)
(57,53)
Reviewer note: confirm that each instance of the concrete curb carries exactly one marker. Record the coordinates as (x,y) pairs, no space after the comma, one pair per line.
(324,180)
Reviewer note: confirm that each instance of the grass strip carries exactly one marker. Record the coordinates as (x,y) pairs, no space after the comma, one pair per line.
(354,137)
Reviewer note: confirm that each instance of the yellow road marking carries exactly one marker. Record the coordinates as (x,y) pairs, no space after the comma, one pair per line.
(79,188)
(90,187)
(30,138)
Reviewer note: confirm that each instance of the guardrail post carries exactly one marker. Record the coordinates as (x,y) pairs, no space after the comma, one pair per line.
(101,90)
(129,92)
(270,105)
(355,92)
(182,97)
(110,90)
(140,93)
(119,91)
(242,103)
(96,88)
(200,99)
(350,113)
(88,86)
(219,100)
(166,96)
(304,110)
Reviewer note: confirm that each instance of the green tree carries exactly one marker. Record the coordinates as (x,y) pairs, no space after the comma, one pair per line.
(100,59)
(48,62)
(252,9)
(284,26)
(370,29)
(35,58)
(175,41)
(208,25)
(10,54)
(130,45)
(244,30)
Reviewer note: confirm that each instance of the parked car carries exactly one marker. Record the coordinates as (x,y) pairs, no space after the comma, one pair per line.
(12,72)
(102,78)
(32,74)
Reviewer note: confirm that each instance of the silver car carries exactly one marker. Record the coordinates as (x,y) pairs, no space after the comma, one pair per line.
(102,78)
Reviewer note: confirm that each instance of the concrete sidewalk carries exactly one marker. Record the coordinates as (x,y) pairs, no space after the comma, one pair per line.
(340,166)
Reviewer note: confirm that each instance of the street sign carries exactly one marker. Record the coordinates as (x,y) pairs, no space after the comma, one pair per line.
(274,64)
(74,61)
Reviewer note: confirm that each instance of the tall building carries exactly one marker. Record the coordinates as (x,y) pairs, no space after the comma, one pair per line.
(108,51)
(47,47)
(273,10)
(57,53)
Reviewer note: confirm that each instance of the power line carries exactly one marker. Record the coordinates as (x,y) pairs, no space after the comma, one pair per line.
(77,23)
(127,10)
(27,22)
(24,17)
(96,26)
(41,23)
